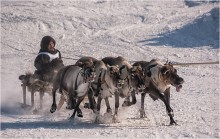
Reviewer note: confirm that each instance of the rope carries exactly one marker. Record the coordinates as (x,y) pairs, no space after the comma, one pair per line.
(200,63)
(70,58)
(173,63)
(187,64)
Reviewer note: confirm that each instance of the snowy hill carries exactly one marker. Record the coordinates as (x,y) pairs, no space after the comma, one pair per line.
(179,31)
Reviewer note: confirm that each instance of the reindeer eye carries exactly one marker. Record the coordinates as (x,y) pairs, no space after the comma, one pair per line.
(175,70)
(165,71)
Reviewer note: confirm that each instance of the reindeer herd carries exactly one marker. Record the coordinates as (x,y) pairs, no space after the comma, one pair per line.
(110,76)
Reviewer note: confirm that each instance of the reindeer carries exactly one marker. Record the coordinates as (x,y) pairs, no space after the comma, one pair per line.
(158,80)
(74,82)
(130,76)
(106,82)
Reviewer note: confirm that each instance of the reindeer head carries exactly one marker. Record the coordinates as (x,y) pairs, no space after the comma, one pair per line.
(164,74)
(169,75)
(137,76)
(88,71)
(115,75)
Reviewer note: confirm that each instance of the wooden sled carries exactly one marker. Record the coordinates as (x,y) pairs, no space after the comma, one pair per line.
(28,82)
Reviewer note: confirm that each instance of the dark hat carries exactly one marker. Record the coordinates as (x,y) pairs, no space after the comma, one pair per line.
(45,42)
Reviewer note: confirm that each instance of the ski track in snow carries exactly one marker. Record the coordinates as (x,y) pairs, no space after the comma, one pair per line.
(135,30)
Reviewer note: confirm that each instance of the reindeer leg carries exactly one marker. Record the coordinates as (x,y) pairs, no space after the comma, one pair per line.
(78,110)
(142,111)
(133,96)
(109,110)
(71,102)
(168,108)
(167,95)
(24,93)
(54,105)
(61,102)
(170,114)
(126,102)
(116,106)
(79,100)
(99,101)
(41,99)
(92,103)
(32,98)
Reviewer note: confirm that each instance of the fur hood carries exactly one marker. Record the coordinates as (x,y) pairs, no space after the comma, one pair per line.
(45,42)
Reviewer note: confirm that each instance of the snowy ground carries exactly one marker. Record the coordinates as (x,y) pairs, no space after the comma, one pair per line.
(136,30)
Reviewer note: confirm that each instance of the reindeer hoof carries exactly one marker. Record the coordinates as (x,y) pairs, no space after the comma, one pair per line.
(173,123)
(115,119)
(71,118)
(86,106)
(79,113)
(109,110)
(35,111)
(171,114)
(126,103)
(53,108)
(97,119)
(142,114)
(95,111)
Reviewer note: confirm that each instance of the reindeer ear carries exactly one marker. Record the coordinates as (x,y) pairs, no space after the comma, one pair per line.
(80,64)
(164,70)
(88,64)
(122,67)
(148,73)
(21,77)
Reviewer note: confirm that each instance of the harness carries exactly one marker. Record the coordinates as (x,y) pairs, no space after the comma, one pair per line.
(52,56)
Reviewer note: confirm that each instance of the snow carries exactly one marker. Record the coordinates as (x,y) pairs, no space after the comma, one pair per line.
(137,30)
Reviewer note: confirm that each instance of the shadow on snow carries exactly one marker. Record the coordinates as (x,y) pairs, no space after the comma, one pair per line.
(66,124)
(204,31)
